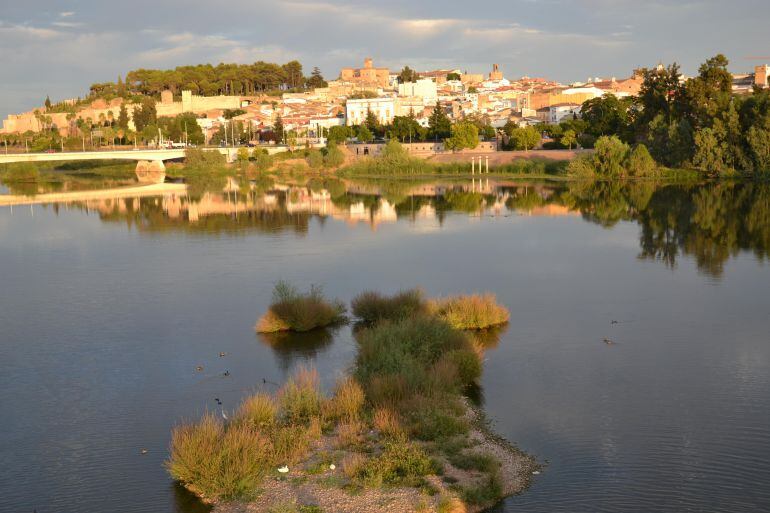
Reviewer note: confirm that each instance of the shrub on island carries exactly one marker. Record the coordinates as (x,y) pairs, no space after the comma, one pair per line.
(371,306)
(292,310)
(471,312)
(464,312)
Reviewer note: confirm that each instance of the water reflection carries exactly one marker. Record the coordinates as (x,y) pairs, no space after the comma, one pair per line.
(290,346)
(710,222)
(110,301)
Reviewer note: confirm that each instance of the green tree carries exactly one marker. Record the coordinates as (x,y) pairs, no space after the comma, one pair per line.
(243,154)
(47,103)
(364,134)
(278,128)
(145,114)
(371,121)
(465,134)
(702,98)
(609,156)
(709,155)
(406,128)
(523,138)
(123,117)
(338,134)
(294,77)
(316,79)
(758,139)
(608,115)
(453,76)
(407,75)
(568,138)
(640,163)
(439,125)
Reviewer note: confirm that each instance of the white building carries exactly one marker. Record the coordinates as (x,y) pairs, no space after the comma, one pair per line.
(424,88)
(383,108)
(556,113)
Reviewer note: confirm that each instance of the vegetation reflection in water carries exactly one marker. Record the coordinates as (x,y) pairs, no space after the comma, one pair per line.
(709,222)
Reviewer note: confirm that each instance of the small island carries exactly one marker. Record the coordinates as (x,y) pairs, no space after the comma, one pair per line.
(398,432)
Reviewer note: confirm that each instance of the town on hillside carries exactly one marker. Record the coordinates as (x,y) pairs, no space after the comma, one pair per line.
(262,103)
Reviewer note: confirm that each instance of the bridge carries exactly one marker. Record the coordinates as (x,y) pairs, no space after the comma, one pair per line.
(137,155)
(149,162)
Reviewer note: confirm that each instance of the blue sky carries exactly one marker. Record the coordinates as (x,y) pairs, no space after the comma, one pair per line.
(60,47)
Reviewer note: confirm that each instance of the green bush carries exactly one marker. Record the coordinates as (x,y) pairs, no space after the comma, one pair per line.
(469,460)
(436,423)
(485,493)
(467,363)
(640,163)
(315,159)
(334,156)
(197,157)
(610,156)
(401,463)
(372,306)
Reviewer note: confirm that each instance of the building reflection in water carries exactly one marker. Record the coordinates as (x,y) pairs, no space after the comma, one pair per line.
(711,222)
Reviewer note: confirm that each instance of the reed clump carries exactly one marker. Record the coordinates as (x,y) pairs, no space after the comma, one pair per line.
(222,459)
(471,312)
(292,310)
(372,306)
(463,312)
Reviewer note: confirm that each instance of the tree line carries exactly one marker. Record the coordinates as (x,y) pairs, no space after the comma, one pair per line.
(210,80)
(697,123)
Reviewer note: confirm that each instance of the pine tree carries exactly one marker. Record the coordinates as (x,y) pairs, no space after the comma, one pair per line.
(47,103)
(278,127)
(439,125)
(371,121)
(123,117)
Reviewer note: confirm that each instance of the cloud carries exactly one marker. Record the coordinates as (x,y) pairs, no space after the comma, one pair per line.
(48,50)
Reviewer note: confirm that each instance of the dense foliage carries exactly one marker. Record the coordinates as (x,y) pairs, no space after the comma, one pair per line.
(697,123)
(209,80)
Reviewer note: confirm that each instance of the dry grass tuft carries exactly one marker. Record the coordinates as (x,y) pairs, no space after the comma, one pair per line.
(258,411)
(350,433)
(218,461)
(387,422)
(472,312)
(300,398)
(352,464)
(348,399)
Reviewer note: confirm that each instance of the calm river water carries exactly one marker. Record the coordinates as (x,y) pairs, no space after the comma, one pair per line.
(107,307)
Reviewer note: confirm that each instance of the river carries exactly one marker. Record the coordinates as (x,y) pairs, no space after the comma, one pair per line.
(108,306)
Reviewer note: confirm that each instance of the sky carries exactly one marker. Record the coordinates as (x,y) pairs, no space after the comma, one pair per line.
(60,47)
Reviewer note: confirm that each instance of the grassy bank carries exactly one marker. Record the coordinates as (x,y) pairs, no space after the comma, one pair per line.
(395,161)
(396,431)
